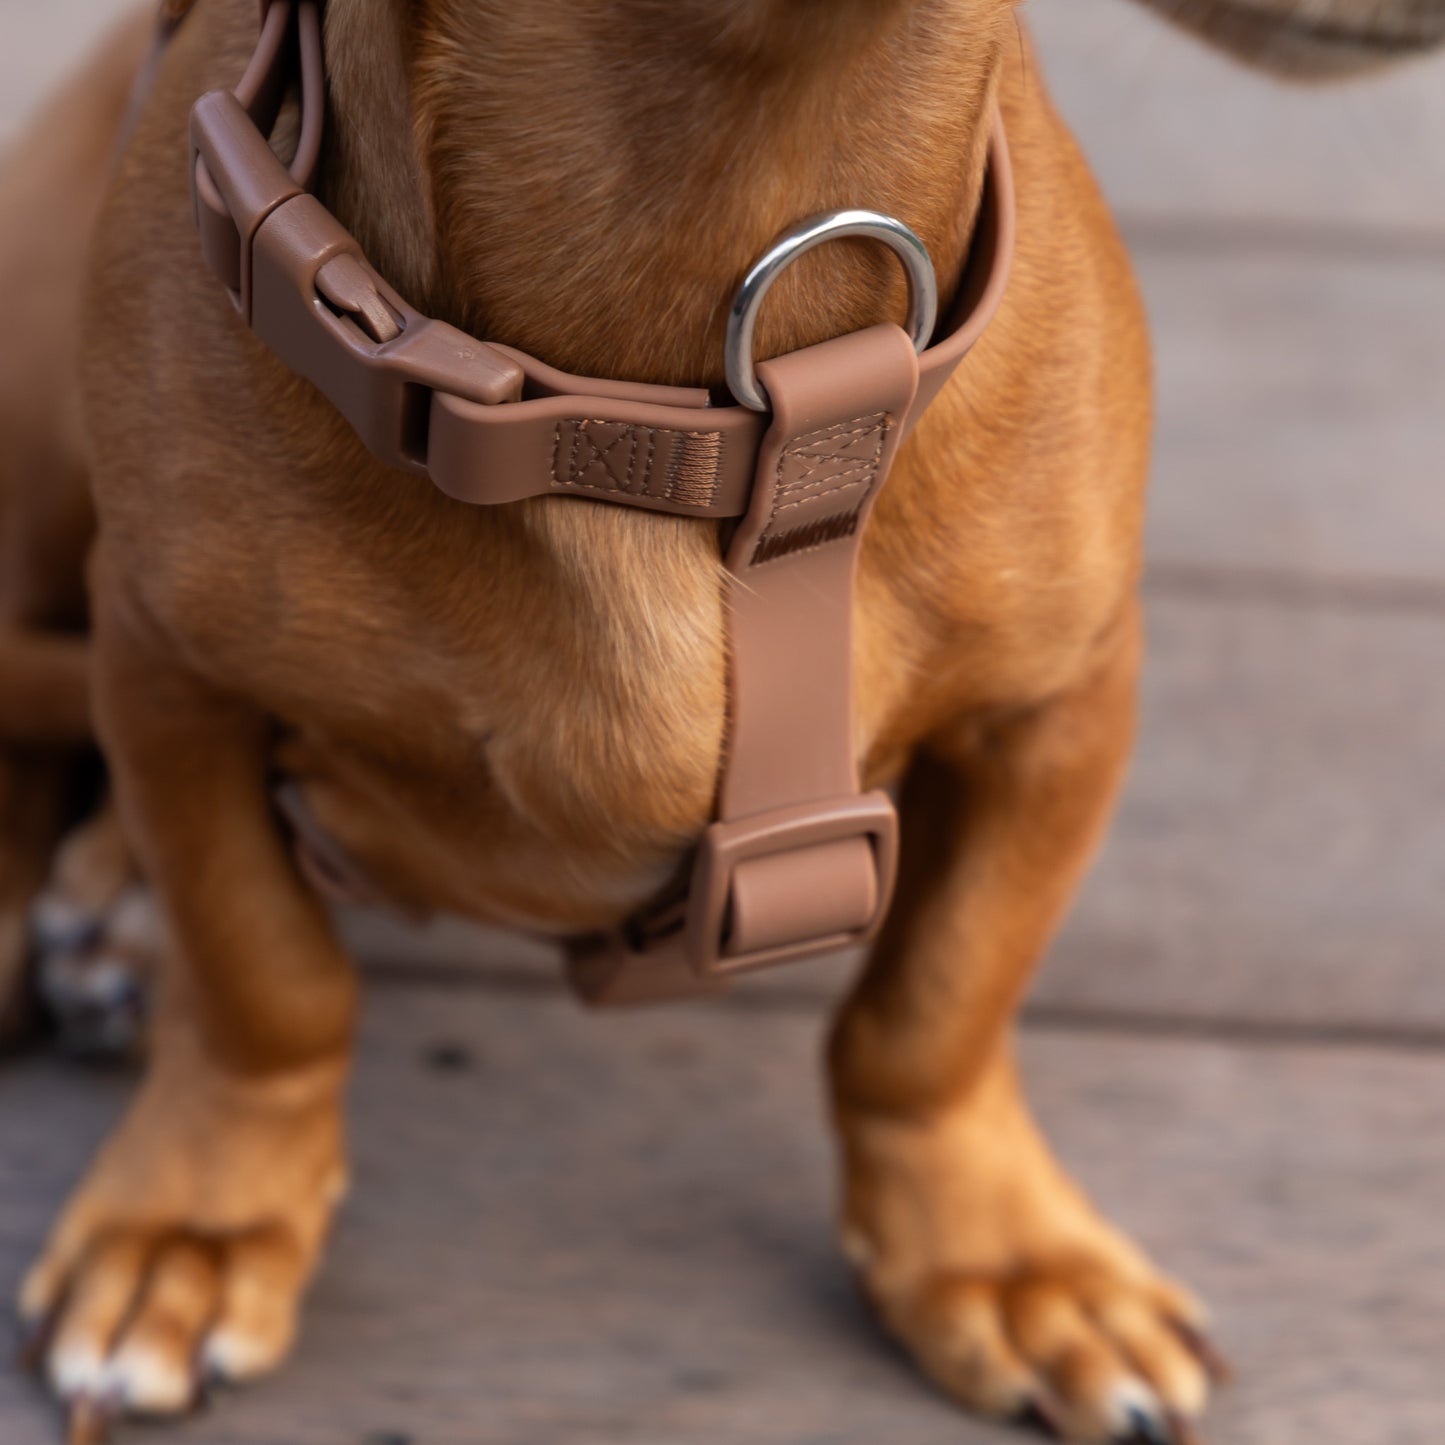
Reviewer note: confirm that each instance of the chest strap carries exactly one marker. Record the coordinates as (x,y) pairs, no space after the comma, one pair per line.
(798,861)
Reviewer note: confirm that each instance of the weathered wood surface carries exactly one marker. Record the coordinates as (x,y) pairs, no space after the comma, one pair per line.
(1180,135)
(1280,856)
(1301,417)
(619,1230)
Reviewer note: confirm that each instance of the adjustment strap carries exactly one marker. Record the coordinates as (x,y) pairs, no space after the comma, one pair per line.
(488,424)
(798,862)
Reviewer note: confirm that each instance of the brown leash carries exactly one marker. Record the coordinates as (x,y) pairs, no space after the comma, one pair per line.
(798,861)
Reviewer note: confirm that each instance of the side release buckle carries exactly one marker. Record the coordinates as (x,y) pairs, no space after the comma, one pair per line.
(770,888)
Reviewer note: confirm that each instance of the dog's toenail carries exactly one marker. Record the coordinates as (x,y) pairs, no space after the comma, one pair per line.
(1148,1428)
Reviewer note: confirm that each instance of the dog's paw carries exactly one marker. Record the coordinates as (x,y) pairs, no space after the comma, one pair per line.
(1006,1286)
(183,1258)
(1091,1354)
(151,1317)
(98,938)
(96,975)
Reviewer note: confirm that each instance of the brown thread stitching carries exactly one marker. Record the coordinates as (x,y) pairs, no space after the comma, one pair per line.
(816,486)
(693,478)
(826,492)
(557,454)
(602,455)
(598,454)
(806,448)
(810,535)
(826,529)
(651,456)
(572,455)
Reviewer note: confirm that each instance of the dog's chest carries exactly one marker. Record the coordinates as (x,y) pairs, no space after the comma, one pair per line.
(517,716)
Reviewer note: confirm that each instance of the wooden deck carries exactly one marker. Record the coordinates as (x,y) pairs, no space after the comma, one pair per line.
(570,1231)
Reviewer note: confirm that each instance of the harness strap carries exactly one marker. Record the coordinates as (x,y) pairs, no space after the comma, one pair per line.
(797,861)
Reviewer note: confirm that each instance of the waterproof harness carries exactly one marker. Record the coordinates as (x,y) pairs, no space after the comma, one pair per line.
(798,860)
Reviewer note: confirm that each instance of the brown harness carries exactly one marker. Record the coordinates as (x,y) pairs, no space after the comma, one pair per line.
(798,860)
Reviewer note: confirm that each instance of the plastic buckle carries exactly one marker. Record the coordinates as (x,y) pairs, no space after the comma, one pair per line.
(786,832)
(236,183)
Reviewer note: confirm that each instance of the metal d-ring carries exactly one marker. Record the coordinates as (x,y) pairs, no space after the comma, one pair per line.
(742,376)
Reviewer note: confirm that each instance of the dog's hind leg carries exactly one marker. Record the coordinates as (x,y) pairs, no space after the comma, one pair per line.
(36,800)
(98,941)
(45,733)
(186,1250)
(980,1253)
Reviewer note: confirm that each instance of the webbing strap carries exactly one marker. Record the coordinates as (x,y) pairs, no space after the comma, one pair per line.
(797,861)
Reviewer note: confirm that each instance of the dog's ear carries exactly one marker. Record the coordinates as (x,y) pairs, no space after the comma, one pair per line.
(1313,39)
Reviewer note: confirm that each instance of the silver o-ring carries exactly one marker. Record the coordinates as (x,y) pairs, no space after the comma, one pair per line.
(742,376)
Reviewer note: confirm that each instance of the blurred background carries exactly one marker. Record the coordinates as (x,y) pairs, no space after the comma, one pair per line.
(582,1230)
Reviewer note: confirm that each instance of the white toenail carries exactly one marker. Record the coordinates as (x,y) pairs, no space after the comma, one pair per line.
(76,1371)
(147,1381)
(234,1356)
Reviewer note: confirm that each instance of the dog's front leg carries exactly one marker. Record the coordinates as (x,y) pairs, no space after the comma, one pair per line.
(189,1244)
(981,1254)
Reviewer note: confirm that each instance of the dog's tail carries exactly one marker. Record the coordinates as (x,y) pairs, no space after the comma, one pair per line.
(1313,39)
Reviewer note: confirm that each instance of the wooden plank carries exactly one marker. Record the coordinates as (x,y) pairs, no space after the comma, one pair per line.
(618,1230)
(1177,132)
(1281,852)
(1301,413)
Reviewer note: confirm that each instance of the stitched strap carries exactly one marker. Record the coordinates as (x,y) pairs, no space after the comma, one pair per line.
(662,448)
(797,861)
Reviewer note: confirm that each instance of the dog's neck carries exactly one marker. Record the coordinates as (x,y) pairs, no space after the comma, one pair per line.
(589,179)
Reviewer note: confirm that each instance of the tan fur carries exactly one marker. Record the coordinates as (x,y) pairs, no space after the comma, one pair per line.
(517,714)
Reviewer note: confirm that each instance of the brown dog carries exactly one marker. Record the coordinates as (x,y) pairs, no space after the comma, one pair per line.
(517,713)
